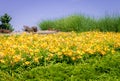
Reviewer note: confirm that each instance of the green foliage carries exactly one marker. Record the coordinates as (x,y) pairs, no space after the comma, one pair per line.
(4,76)
(5,19)
(6,26)
(74,23)
(47,25)
(81,23)
(109,23)
(89,68)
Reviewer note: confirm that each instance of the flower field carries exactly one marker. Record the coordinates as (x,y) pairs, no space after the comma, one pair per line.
(27,49)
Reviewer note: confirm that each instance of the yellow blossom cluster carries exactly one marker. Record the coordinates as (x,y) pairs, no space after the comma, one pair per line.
(27,48)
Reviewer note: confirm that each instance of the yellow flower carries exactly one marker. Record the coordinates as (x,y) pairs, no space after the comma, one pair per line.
(69,44)
(1,55)
(69,52)
(2,61)
(16,58)
(27,63)
(47,59)
(59,53)
(113,51)
(73,58)
(36,59)
(103,52)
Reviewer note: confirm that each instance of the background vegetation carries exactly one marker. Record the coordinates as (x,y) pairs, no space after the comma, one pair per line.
(5,19)
(81,23)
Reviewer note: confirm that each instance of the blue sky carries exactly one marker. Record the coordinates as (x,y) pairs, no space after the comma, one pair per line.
(31,12)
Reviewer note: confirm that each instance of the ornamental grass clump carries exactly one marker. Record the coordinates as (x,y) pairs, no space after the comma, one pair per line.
(82,23)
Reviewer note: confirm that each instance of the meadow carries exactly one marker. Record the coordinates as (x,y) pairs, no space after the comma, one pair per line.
(69,56)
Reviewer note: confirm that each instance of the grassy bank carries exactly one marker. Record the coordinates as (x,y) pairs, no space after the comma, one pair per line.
(81,23)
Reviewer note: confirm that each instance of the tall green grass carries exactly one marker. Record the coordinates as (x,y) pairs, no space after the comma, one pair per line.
(109,23)
(81,23)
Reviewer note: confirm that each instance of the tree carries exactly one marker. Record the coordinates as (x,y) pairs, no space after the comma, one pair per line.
(5,19)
